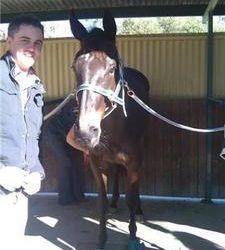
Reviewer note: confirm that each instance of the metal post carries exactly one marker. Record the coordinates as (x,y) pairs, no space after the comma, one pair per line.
(208,184)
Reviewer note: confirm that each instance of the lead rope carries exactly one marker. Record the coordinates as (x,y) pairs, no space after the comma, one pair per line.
(222,154)
(60,106)
(163,118)
(143,105)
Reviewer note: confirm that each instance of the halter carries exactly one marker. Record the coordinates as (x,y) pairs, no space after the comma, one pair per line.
(114,96)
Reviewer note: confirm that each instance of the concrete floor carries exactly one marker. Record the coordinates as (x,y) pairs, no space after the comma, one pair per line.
(169,225)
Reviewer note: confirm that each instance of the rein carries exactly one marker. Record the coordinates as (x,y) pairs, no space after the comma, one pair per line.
(60,106)
(114,96)
(118,97)
(163,118)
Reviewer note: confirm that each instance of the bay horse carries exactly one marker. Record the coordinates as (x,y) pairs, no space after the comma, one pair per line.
(112,135)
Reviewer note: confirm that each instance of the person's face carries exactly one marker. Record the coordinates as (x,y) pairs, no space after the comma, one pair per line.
(25,46)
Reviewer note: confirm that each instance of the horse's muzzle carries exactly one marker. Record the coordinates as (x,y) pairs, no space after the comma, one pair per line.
(88,136)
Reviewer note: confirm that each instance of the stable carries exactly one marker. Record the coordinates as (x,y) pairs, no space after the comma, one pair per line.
(186,74)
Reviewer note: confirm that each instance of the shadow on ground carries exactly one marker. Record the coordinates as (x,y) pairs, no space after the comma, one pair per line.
(167,226)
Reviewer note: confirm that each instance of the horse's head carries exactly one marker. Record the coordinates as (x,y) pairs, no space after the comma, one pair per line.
(95,66)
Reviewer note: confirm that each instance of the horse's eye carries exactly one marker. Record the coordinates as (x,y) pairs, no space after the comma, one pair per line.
(112,69)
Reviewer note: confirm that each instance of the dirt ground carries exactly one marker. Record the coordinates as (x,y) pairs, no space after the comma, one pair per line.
(169,225)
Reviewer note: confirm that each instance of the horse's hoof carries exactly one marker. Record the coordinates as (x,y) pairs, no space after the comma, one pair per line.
(134,244)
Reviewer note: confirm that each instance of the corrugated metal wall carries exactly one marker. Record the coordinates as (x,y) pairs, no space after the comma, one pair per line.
(54,66)
(174,64)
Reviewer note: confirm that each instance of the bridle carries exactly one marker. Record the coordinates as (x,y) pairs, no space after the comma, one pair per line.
(115,97)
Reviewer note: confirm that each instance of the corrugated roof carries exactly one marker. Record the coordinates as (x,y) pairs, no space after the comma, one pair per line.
(58,9)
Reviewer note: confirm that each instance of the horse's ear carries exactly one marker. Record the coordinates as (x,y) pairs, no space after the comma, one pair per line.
(109,24)
(76,27)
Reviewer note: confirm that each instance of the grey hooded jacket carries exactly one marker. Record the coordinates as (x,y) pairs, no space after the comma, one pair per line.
(19,132)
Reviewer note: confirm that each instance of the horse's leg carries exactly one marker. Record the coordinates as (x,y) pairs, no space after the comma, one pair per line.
(101,180)
(117,172)
(132,198)
(139,212)
(115,193)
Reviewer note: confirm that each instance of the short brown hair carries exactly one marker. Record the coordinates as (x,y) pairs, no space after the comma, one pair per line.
(24,20)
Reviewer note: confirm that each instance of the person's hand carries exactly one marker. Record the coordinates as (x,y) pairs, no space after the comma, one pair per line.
(12,178)
(32,183)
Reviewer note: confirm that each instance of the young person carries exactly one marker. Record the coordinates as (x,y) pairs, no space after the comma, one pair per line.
(21,104)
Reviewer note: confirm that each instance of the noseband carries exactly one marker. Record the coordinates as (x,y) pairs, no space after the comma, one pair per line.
(115,97)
